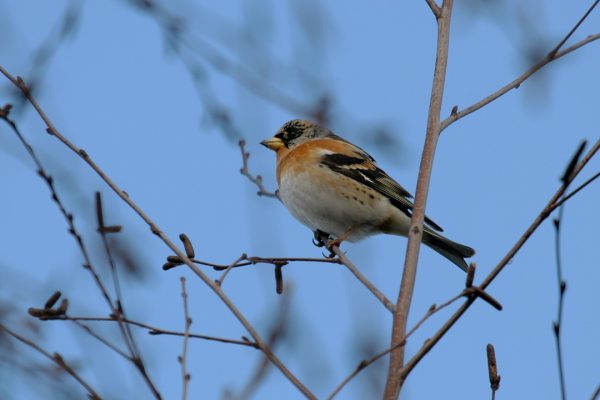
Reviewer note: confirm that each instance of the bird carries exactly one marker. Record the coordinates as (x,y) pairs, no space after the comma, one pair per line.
(336,189)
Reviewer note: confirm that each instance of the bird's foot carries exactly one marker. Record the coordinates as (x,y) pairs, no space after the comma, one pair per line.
(321,238)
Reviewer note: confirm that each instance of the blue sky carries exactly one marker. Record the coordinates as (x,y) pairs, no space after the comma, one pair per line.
(118,90)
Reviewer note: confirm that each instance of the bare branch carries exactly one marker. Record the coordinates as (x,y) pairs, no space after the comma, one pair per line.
(576,190)
(174,261)
(229,267)
(575,27)
(356,272)
(55,358)
(257,180)
(435,9)
(185,376)
(152,330)
(19,83)
(415,231)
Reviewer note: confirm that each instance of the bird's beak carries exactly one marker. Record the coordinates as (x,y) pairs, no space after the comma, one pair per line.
(273,143)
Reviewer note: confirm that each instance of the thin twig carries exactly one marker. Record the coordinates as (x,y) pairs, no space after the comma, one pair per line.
(562,286)
(415,231)
(19,83)
(542,216)
(576,190)
(356,272)
(174,261)
(575,27)
(185,376)
(153,330)
(55,358)
(119,307)
(257,180)
(95,335)
(229,267)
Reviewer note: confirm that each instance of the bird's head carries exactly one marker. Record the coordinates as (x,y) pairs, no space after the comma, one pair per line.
(295,132)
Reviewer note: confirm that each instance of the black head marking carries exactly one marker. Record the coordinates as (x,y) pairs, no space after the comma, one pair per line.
(298,131)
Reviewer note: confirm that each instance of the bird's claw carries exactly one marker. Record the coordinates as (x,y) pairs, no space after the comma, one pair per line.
(320,239)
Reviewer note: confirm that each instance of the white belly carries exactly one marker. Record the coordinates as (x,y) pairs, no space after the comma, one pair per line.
(335,210)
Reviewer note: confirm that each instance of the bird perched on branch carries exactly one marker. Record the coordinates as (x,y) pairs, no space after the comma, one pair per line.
(336,189)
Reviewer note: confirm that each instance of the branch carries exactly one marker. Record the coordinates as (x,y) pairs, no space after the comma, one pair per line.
(415,231)
(55,358)
(152,330)
(185,376)
(380,296)
(554,54)
(51,129)
(257,180)
(173,261)
(546,211)
(435,9)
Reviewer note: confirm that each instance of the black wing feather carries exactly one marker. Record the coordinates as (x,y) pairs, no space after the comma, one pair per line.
(363,170)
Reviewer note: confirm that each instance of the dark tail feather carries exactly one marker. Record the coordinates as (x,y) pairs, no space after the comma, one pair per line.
(453,251)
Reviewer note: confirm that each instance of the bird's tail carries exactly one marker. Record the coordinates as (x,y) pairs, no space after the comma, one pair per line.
(453,251)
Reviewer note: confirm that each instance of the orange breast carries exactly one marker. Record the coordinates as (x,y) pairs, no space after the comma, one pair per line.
(307,155)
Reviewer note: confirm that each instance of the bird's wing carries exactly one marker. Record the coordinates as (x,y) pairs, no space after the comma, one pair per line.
(361,167)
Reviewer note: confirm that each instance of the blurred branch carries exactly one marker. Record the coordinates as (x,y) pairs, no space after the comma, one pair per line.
(51,129)
(115,308)
(596,394)
(59,33)
(554,54)
(185,376)
(543,215)
(415,231)
(257,180)
(55,358)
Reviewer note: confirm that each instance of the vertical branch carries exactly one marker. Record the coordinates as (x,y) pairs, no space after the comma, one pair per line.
(185,376)
(394,379)
(562,286)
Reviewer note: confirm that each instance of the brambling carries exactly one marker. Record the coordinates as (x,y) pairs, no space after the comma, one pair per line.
(335,188)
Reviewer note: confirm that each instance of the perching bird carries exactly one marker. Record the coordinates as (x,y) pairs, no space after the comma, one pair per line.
(335,187)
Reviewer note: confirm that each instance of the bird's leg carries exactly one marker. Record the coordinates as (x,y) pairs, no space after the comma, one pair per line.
(338,241)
